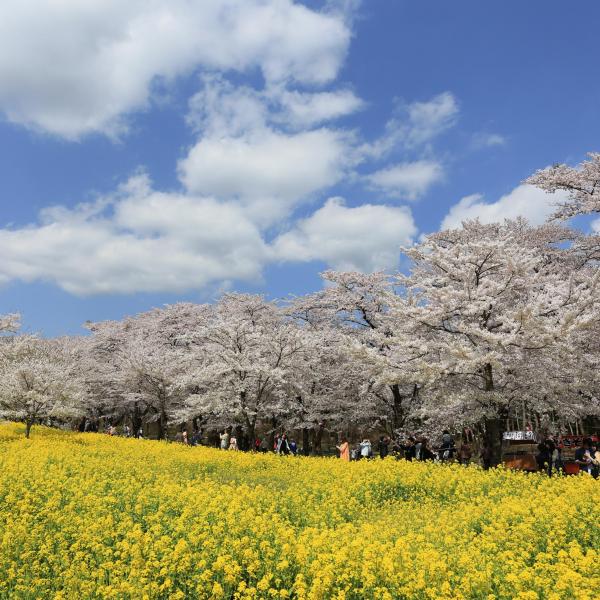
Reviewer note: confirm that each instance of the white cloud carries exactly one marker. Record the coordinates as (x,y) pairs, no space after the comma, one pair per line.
(73,67)
(415,124)
(139,240)
(301,109)
(267,172)
(220,108)
(241,155)
(488,140)
(250,151)
(407,180)
(429,119)
(524,201)
(365,238)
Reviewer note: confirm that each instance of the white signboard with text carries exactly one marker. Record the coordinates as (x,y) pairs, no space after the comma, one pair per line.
(520,436)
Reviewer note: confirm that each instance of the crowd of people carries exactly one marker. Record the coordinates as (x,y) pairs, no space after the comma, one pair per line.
(411,448)
(414,448)
(281,443)
(549,457)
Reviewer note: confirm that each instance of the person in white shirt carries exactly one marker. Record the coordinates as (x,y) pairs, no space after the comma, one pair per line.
(365,449)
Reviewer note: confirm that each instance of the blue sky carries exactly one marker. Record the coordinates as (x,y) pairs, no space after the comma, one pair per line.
(153,152)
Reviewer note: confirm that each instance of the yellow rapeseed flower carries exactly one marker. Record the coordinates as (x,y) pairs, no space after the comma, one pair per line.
(90,516)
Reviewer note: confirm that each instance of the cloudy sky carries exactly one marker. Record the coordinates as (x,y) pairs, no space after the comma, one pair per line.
(161,150)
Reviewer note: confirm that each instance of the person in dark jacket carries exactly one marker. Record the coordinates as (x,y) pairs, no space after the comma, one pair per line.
(486,456)
(447,439)
(448,448)
(583,457)
(283,446)
(426,451)
(544,457)
(410,449)
(383,446)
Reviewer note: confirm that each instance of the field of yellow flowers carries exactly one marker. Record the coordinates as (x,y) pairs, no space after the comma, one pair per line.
(89,516)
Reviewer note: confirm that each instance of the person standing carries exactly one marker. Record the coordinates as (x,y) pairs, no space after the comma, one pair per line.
(225,440)
(365,449)
(465,453)
(447,449)
(583,457)
(486,456)
(557,461)
(283,446)
(426,451)
(344,449)
(293,447)
(550,448)
(595,454)
(410,449)
(543,457)
(233,445)
(384,446)
(467,435)
(447,439)
(419,445)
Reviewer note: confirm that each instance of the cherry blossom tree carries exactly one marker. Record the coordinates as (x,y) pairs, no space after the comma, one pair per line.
(325,390)
(9,323)
(367,310)
(38,380)
(246,350)
(581,183)
(139,365)
(489,301)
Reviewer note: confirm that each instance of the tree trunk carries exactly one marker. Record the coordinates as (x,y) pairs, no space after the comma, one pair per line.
(316,449)
(305,441)
(397,410)
(272,432)
(28,425)
(196,423)
(136,420)
(162,426)
(250,432)
(494,426)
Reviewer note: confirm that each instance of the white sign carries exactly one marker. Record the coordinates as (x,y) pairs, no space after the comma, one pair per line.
(520,436)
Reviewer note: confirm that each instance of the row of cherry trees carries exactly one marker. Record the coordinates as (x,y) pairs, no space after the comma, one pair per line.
(489,323)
